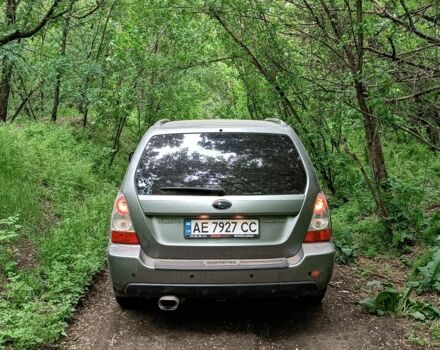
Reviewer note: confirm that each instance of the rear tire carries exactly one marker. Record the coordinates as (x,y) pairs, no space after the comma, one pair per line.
(128,303)
(317,298)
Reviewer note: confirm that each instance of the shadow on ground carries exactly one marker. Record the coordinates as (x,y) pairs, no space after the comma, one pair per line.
(266,318)
(338,323)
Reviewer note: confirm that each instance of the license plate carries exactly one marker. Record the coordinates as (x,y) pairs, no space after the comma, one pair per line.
(221,228)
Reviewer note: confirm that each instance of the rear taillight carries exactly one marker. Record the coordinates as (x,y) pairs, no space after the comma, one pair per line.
(320,229)
(122,231)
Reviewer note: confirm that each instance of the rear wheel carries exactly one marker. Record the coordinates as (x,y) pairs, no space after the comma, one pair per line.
(317,298)
(128,302)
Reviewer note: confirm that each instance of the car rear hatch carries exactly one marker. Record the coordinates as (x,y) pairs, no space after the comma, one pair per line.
(220,195)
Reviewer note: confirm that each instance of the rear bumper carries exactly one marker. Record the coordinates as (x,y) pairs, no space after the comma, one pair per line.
(223,290)
(134,273)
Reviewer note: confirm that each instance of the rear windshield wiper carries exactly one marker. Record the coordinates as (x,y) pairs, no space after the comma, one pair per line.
(196,190)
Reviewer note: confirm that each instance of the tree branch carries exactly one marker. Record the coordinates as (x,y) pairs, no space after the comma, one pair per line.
(417,94)
(401,60)
(99,4)
(202,63)
(382,12)
(17,34)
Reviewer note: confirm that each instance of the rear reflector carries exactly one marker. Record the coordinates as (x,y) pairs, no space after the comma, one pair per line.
(318,236)
(124,237)
(315,273)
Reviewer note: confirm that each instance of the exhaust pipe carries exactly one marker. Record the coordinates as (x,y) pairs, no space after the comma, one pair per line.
(168,302)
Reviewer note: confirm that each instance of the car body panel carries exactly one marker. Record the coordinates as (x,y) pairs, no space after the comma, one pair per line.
(166,260)
(130,265)
(155,238)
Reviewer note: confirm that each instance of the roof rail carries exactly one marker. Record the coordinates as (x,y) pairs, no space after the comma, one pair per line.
(276,121)
(161,122)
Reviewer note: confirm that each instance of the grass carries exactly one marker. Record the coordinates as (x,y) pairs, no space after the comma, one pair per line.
(412,202)
(57,191)
(58,183)
(435,331)
(413,205)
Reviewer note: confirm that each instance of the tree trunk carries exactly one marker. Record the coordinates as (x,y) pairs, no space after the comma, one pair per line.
(85,116)
(374,145)
(354,58)
(5,83)
(56,99)
(5,88)
(375,153)
(28,105)
(84,104)
(25,103)
(116,141)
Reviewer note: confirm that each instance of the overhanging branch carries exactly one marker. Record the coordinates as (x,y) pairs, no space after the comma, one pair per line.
(17,34)
(415,95)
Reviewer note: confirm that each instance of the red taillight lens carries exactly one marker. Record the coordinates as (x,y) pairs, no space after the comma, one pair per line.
(125,237)
(320,226)
(318,236)
(122,231)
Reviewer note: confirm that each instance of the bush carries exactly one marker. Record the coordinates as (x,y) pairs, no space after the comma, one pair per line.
(56,183)
(389,301)
(345,249)
(357,229)
(432,228)
(426,277)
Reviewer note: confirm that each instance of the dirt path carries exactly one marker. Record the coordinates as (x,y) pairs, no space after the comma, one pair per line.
(266,324)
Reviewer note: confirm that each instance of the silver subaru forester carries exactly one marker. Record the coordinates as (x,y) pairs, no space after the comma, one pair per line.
(219,208)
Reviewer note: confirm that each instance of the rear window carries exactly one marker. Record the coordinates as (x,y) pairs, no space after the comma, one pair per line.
(239,163)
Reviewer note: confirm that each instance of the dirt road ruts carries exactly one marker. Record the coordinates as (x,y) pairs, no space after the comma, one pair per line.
(338,323)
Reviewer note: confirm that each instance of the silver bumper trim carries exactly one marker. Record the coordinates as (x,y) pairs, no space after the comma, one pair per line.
(135,251)
(220,264)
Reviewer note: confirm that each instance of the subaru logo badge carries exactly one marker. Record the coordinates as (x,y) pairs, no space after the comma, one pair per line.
(222,204)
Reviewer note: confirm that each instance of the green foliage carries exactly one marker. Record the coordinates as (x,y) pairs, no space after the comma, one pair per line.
(389,301)
(9,228)
(73,200)
(142,61)
(427,276)
(435,330)
(345,249)
(414,190)
(357,228)
(17,164)
(413,181)
(432,231)
(344,255)
(418,340)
